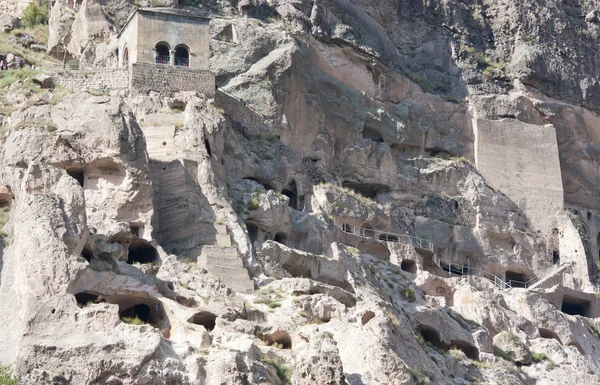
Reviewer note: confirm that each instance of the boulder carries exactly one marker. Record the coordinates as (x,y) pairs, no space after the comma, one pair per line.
(43,80)
(510,344)
(7,22)
(593,16)
(318,362)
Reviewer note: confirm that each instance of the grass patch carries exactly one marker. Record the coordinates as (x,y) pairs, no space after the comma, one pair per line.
(268,296)
(369,202)
(487,64)
(4,215)
(408,293)
(353,250)
(132,320)
(456,353)
(393,318)
(284,371)
(538,357)
(502,354)
(482,365)
(418,377)
(39,33)
(7,376)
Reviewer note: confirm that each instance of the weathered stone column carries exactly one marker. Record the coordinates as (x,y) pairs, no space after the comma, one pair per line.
(172,57)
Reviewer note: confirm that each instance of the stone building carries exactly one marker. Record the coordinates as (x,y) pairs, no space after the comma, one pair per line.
(166,50)
(165,36)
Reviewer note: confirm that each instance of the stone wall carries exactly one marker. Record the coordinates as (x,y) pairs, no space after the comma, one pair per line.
(146,77)
(238,111)
(521,160)
(94,79)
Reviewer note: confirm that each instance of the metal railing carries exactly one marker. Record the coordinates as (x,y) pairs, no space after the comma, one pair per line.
(383,236)
(163,59)
(449,266)
(182,62)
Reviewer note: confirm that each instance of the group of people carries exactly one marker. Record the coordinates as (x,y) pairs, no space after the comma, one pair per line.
(19,65)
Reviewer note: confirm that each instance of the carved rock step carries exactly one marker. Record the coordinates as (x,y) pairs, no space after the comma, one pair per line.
(226,264)
(237,279)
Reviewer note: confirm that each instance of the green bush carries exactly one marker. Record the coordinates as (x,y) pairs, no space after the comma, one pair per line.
(253,204)
(284,372)
(538,357)
(408,294)
(35,14)
(132,320)
(7,376)
(418,376)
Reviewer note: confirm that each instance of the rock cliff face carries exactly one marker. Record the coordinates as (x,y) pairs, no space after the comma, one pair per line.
(400,192)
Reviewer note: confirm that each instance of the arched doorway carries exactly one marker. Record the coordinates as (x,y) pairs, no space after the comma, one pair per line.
(182,56)
(163,53)
(125,57)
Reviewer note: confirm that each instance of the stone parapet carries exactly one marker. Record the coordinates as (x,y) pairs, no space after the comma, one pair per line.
(102,79)
(238,111)
(147,77)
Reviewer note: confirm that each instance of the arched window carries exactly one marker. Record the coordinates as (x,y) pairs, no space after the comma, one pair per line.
(163,55)
(182,56)
(125,56)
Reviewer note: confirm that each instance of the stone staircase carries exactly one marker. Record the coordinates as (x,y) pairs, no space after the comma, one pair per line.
(225,263)
(552,272)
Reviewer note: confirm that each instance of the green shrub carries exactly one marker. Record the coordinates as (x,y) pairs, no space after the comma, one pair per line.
(132,320)
(482,365)
(502,354)
(253,204)
(7,376)
(456,353)
(408,294)
(538,357)
(35,14)
(284,372)
(418,376)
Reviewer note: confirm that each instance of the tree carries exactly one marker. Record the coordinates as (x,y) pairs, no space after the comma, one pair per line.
(35,13)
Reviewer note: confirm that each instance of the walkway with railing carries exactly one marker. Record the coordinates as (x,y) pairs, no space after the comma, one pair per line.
(363,232)
(462,270)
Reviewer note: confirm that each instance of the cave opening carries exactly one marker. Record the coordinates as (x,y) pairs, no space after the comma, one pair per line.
(550,334)
(207,146)
(87,254)
(576,306)
(372,134)
(369,315)
(204,318)
(266,185)
(140,311)
(280,238)
(227,34)
(470,351)
(430,335)
(366,189)
(85,298)
(279,339)
(141,251)
(77,173)
(292,193)
(409,266)
(252,232)
(515,279)
(388,238)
